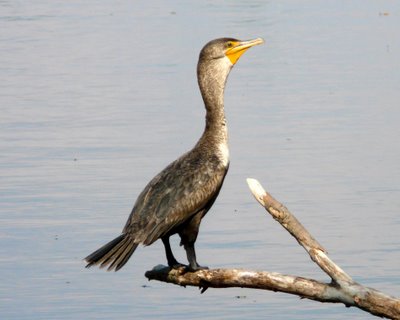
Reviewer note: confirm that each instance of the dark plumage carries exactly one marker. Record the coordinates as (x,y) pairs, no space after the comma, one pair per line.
(177,198)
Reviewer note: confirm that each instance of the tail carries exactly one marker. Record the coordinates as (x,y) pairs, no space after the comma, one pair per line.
(115,253)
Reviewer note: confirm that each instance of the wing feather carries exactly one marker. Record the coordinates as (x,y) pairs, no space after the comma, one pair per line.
(173,196)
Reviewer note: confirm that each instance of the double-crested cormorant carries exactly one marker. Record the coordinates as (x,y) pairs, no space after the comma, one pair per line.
(177,198)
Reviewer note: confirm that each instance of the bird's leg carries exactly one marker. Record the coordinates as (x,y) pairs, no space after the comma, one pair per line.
(191,256)
(172,262)
(188,237)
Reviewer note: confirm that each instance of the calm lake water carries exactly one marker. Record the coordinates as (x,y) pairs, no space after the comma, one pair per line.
(97,97)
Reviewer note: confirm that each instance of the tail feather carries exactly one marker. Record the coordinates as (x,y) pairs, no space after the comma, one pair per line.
(121,254)
(115,253)
(126,257)
(110,255)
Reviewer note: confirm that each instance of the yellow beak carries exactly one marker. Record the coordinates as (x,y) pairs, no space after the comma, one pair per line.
(240,47)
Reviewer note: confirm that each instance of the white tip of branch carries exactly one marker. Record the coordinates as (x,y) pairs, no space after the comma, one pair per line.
(256,189)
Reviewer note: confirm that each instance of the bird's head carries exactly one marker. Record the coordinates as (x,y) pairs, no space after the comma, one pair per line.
(227,48)
(215,62)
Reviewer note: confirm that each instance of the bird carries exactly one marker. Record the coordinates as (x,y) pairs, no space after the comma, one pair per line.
(176,200)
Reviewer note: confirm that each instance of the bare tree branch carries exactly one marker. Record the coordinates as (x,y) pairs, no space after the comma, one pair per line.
(281,214)
(342,288)
(226,278)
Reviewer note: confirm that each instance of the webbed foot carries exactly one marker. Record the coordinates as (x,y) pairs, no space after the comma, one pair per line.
(196,267)
(178,265)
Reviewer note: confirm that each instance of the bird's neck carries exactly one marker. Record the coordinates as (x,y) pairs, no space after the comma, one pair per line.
(212,78)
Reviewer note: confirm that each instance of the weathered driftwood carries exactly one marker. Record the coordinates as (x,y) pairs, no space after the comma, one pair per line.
(342,288)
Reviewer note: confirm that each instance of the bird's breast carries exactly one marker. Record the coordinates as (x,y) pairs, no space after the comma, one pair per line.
(223,153)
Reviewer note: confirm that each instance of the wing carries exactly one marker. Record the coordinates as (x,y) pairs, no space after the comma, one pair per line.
(174,195)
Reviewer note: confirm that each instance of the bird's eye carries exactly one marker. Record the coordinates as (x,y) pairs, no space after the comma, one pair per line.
(230,44)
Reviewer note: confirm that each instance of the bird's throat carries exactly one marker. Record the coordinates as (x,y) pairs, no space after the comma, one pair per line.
(212,76)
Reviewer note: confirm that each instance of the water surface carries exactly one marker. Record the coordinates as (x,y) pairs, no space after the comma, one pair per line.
(96,98)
